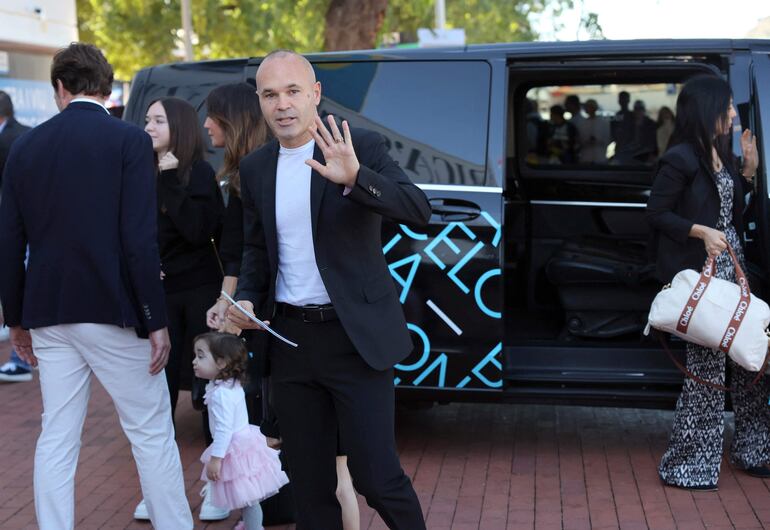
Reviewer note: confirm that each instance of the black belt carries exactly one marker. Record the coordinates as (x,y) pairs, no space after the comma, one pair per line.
(307,313)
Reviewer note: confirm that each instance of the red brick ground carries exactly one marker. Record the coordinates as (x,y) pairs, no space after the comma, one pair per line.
(474,467)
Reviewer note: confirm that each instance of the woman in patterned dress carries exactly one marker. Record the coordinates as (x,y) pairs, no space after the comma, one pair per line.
(695,209)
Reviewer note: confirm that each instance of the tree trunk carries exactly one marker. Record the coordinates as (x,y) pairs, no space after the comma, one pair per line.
(353,24)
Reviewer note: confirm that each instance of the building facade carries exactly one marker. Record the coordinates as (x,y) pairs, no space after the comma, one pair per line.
(31,31)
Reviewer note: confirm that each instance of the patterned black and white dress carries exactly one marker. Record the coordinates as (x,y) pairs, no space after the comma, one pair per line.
(694,452)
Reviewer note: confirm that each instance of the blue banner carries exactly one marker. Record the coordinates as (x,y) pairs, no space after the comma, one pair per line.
(33,101)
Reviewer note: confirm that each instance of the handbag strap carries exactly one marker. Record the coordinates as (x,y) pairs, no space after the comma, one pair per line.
(708,272)
(702,381)
(740,309)
(696,295)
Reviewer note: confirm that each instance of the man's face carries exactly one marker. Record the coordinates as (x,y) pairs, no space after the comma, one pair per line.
(288,97)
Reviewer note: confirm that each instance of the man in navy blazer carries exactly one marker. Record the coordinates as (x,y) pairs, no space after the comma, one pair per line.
(79,190)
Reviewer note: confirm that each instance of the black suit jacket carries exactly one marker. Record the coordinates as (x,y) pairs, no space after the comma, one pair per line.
(347,241)
(11,131)
(80,190)
(685,193)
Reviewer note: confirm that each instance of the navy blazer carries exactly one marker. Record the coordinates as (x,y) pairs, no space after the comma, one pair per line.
(684,192)
(79,189)
(346,239)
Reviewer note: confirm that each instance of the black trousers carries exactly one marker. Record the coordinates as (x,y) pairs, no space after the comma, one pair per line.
(186,320)
(323,388)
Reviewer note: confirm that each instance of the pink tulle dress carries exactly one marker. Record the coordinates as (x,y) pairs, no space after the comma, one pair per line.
(251,471)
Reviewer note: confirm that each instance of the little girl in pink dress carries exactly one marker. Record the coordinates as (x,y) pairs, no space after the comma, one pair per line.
(241,470)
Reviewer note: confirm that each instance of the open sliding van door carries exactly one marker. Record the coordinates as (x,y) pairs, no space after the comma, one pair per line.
(759,123)
(579,279)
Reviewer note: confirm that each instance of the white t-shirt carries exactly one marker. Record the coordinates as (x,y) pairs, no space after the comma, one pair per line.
(298,282)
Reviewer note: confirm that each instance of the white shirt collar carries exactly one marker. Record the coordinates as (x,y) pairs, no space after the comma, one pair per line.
(89,100)
(310,145)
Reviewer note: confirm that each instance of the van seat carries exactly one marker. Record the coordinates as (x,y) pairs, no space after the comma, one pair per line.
(605,285)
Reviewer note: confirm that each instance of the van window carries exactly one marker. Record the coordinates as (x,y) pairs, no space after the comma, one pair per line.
(598,125)
(432,114)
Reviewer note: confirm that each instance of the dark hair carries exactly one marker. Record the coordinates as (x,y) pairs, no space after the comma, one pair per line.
(703,102)
(235,108)
(185,135)
(572,99)
(82,69)
(558,110)
(6,105)
(230,349)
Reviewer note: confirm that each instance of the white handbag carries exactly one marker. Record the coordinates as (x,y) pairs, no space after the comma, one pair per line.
(715,313)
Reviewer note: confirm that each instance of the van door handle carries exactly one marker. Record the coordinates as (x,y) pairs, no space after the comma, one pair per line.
(455,209)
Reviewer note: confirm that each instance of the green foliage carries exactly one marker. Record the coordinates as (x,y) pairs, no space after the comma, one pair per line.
(137,33)
(483,20)
(590,23)
(132,33)
(254,27)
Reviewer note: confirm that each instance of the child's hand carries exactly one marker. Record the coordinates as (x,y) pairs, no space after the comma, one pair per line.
(213,468)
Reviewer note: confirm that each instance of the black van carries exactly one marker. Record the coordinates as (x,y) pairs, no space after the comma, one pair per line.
(532,281)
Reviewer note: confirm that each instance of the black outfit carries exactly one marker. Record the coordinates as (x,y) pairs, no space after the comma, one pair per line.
(622,132)
(341,375)
(644,142)
(231,244)
(684,193)
(11,132)
(231,254)
(52,196)
(561,143)
(694,452)
(189,220)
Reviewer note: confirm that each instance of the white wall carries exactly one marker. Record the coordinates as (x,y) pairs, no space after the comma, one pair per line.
(53,26)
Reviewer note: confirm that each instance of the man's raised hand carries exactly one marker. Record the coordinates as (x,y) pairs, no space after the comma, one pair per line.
(341,162)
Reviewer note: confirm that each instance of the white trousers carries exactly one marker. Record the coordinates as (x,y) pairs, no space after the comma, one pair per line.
(68,354)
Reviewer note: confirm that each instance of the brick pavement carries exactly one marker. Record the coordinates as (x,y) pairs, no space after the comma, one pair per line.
(474,466)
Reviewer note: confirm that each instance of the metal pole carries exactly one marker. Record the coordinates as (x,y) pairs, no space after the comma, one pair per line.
(187,29)
(440,14)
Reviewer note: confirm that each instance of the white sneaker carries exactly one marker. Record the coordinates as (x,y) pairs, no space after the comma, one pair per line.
(209,512)
(140,512)
(11,372)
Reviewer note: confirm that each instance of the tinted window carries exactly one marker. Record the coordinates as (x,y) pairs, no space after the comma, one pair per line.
(432,114)
(598,125)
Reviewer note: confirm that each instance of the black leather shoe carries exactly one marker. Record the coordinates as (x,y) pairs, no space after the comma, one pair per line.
(758,471)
